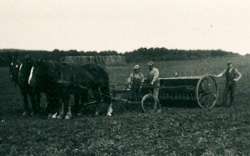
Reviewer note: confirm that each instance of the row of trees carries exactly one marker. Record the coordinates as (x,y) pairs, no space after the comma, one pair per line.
(139,55)
(163,54)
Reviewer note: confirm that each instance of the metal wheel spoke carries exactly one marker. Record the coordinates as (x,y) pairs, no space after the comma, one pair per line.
(206,92)
(148,103)
(207,101)
(201,99)
(213,95)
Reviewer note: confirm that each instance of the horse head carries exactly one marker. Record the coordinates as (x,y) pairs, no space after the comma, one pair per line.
(24,70)
(14,68)
(43,72)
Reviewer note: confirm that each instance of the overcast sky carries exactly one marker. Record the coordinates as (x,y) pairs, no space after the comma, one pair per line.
(125,25)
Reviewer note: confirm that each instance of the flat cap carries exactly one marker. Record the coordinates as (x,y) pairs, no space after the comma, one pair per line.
(137,67)
(150,63)
(229,62)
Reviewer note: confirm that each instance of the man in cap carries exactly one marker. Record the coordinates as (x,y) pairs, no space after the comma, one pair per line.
(135,81)
(153,79)
(232,76)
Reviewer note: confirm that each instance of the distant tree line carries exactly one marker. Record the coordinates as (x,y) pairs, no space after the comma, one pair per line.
(163,54)
(139,55)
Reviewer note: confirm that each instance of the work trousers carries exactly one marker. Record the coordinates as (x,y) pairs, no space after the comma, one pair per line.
(155,93)
(229,89)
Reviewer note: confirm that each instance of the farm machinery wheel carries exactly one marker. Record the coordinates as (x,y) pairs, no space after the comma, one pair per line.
(206,92)
(149,103)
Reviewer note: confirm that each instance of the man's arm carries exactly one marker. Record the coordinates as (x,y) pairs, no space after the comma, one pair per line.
(156,76)
(130,78)
(239,75)
(142,78)
(221,74)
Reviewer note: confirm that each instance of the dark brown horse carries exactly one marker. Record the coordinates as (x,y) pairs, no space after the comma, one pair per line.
(67,80)
(46,87)
(19,71)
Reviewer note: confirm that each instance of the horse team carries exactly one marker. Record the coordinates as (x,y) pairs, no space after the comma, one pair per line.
(58,81)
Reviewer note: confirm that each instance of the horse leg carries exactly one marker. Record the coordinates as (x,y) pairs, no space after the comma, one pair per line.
(25,103)
(68,107)
(84,99)
(110,110)
(38,100)
(50,106)
(56,106)
(35,101)
(107,98)
(34,104)
(98,100)
(61,110)
(76,104)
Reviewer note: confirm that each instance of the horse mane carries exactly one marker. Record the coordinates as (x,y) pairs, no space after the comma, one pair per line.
(53,64)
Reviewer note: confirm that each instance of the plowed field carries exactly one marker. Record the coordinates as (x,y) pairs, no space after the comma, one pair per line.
(174,131)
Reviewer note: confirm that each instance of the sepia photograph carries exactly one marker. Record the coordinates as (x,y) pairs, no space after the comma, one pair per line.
(124,78)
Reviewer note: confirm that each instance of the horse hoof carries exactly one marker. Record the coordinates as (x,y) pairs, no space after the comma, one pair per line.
(54,116)
(49,116)
(79,114)
(33,113)
(109,114)
(67,117)
(25,113)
